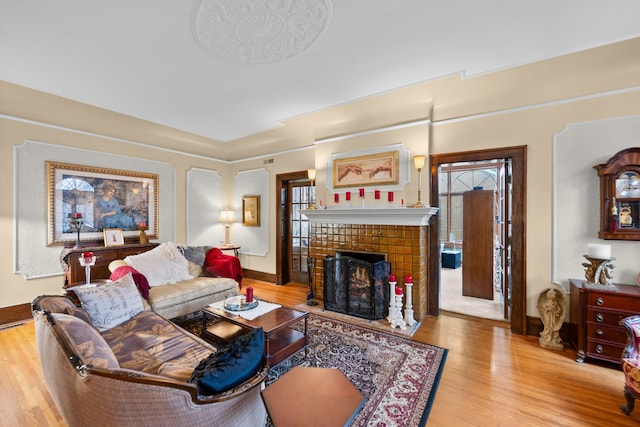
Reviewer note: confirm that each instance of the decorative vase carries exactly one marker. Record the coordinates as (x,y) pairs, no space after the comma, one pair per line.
(143,237)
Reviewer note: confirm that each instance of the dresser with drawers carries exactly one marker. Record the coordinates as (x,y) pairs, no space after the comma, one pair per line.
(594,319)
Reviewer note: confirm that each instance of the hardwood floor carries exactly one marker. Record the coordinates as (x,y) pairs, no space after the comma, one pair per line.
(491,377)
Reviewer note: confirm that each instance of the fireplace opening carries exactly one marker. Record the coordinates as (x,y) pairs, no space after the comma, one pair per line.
(357,283)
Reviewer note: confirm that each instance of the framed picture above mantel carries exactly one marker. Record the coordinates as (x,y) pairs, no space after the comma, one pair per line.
(367,170)
(97,199)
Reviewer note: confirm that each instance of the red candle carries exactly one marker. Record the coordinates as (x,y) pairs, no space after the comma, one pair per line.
(398,290)
(249,295)
(143,224)
(392,278)
(377,194)
(87,255)
(408,279)
(348,195)
(361,190)
(390,196)
(336,197)
(77,215)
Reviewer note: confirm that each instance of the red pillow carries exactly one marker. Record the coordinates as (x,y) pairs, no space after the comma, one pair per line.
(141,282)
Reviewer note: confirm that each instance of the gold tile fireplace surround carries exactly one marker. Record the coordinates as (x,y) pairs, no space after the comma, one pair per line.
(399,233)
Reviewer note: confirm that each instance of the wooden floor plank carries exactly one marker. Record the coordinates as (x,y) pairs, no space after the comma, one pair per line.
(491,377)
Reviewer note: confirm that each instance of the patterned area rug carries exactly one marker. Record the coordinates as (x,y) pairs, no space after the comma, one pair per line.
(397,376)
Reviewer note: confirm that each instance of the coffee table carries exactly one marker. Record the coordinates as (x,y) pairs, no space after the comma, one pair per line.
(312,397)
(281,341)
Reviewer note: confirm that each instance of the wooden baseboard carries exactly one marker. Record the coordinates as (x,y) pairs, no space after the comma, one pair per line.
(258,275)
(15,313)
(535,326)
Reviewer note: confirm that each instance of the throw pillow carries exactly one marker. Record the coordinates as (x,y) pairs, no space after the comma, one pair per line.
(141,282)
(110,304)
(230,365)
(161,265)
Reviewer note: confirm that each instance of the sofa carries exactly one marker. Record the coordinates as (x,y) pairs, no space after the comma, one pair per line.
(176,280)
(128,366)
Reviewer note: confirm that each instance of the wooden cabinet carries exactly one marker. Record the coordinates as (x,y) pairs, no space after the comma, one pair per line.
(595,315)
(620,196)
(75,272)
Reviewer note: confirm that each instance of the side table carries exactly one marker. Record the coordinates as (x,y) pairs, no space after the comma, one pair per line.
(322,396)
(233,248)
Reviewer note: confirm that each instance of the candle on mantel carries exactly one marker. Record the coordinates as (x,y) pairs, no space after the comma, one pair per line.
(398,290)
(390,196)
(392,278)
(408,279)
(361,190)
(347,195)
(376,194)
(599,251)
(336,198)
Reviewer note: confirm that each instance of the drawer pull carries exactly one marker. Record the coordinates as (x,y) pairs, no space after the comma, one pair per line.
(599,348)
(599,317)
(599,301)
(599,332)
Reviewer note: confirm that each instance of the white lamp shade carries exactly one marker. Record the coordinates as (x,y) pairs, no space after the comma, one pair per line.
(418,161)
(311,173)
(227,216)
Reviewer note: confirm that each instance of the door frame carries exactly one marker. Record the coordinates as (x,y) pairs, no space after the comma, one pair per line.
(282,251)
(518,157)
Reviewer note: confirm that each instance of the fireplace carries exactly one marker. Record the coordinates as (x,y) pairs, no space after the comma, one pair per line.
(357,284)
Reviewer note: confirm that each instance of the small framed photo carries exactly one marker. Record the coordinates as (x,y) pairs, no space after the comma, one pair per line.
(113,237)
(251,211)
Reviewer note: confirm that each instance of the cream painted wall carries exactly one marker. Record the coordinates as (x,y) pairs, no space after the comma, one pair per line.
(14,288)
(527,105)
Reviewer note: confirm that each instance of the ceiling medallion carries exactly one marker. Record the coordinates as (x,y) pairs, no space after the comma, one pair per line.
(259,31)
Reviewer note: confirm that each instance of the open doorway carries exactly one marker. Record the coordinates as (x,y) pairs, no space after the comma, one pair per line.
(514,251)
(474,235)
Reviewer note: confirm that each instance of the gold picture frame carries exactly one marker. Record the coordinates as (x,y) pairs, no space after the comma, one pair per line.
(361,171)
(251,211)
(98,199)
(113,237)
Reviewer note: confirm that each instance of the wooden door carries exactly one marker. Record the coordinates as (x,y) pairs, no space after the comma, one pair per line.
(478,243)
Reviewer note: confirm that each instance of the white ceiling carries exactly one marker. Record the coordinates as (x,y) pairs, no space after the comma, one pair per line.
(141,58)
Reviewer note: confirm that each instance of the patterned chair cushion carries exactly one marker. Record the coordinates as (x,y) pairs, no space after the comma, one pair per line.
(631,369)
(86,341)
(150,343)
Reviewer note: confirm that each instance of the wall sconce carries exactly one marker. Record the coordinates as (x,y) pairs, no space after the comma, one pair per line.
(227,217)
(311,173)
(418,162)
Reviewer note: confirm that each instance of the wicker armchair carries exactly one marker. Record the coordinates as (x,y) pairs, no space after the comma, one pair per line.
(631,363)
(88,394)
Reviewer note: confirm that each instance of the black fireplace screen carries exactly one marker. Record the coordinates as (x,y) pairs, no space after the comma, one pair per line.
(356,287)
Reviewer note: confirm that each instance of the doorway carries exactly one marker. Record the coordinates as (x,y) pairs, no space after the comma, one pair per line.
(514,247)
(474,221)
(294,193)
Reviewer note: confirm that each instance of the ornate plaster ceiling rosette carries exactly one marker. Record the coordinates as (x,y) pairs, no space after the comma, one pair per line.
(259,31)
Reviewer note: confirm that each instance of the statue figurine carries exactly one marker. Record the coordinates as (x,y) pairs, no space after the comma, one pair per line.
(552,309)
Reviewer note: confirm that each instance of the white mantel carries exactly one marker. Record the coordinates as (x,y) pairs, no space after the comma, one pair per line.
(373,216)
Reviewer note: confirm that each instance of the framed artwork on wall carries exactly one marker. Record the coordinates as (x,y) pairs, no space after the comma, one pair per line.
(251,211)
(372,169)
(113,237)
(98,199)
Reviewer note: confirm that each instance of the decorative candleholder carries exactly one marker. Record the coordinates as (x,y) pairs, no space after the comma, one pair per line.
(408,308)
(347,197)
(392,301)
(598,272)
(87,260)
(397,320)
(361,190)
(76,223)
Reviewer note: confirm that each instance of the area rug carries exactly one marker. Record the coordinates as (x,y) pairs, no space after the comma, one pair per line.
(398,376)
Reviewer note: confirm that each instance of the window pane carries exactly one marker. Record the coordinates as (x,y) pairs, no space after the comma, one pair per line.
(443,218)
(461,181)
(443,185)
(456,216)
